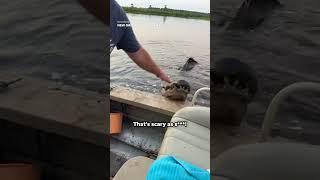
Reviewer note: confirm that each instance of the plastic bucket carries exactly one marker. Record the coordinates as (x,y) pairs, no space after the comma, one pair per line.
(115,123)
(19,171)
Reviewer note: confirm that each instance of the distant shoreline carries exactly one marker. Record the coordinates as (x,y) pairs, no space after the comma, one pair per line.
(168,12)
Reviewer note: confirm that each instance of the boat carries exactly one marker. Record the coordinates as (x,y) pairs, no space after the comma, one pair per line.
(138,106)
(64,130)
(136,166)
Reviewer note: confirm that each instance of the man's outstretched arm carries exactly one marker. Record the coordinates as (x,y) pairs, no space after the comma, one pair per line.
(144,60)
(98,8)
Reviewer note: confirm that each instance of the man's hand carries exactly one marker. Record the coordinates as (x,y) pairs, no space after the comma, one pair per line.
(144,60)
(164,77)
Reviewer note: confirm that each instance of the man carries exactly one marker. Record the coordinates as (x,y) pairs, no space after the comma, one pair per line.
(123,36)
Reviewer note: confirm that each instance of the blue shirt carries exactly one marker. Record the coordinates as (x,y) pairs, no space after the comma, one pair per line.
(122,35)
(169,167)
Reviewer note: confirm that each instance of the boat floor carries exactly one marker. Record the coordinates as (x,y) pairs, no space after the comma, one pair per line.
(132,142)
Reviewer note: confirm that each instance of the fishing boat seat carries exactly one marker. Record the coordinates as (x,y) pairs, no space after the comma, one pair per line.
(190,143)
(134,169)
(265,161)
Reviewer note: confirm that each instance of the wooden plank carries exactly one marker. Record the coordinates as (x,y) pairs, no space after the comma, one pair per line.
(69,111)
(152,102)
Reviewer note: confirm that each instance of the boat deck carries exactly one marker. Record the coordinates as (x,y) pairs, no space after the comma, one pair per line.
(55,127)
(148,101)
(63,110)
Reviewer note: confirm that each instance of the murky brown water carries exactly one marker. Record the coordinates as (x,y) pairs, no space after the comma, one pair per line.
(55,38)
(170,41)
(283,50)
